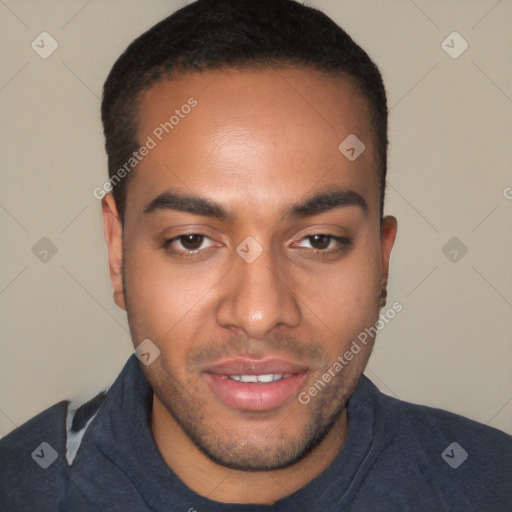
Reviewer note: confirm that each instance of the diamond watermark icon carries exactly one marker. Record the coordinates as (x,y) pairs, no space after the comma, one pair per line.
(454,45)
(351,147)
(44,250)
(454,455)
(44,455)
(454,249)
(147,352)
(249,250)
(44,45)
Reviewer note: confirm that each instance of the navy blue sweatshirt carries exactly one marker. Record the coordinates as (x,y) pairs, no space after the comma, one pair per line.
(397,457)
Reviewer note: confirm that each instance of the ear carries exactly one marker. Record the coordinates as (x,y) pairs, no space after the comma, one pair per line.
(387,237)
(113,227)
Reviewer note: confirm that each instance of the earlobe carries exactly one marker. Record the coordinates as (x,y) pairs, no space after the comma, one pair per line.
(113,228)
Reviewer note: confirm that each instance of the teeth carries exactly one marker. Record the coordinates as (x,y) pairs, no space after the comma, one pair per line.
(270,377)
(266,378)
(249,378)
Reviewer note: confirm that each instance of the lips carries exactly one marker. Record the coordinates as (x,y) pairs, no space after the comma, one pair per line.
(255,385)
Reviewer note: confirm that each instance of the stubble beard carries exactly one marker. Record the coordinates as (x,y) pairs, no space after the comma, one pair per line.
(211,435)
(213,439)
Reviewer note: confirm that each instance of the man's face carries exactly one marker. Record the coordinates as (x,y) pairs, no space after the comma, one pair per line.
(253,167)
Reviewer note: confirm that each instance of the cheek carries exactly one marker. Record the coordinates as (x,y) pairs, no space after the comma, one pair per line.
(171,302)
(165,300)
(344,297)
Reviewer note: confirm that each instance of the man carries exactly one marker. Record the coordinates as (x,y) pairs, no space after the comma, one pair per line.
(247,244)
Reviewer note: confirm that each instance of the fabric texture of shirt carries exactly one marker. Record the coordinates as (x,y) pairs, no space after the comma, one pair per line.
(397,457)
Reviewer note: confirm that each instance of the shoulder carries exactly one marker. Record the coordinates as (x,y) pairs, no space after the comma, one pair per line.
(33,457)
(36,456)
(456,460)
(427,425)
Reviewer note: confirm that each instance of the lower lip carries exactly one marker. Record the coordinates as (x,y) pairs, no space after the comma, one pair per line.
(254,396)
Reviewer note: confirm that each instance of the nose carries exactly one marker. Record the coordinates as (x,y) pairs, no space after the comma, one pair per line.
(257,298)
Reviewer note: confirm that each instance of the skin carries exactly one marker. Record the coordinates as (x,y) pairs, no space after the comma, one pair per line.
(258,142)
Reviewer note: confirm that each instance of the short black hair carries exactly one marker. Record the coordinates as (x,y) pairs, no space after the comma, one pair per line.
(216,34)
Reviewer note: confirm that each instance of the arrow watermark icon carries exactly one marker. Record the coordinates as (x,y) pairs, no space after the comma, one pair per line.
(249,249)
(147,352)
(351,147)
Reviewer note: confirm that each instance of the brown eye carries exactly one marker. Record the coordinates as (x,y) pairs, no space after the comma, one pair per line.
(319,242)
(188,244)
(191,242)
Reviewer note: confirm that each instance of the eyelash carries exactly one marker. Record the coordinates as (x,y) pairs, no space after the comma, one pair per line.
(167,245)
(344,242)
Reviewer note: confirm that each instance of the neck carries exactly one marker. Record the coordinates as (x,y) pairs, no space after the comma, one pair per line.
(222,484)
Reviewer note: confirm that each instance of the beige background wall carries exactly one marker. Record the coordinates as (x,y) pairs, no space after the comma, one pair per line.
(450,176)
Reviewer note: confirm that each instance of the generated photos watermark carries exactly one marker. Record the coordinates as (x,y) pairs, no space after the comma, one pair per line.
(151,142)
(343,360)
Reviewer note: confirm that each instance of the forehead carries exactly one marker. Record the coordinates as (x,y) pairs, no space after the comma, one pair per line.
(262,135)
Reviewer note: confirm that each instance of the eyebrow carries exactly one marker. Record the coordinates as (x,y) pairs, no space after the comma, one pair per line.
(326,201)
(319,203)
(171,200)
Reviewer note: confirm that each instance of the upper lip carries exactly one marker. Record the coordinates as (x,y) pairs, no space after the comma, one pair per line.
(247,366)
